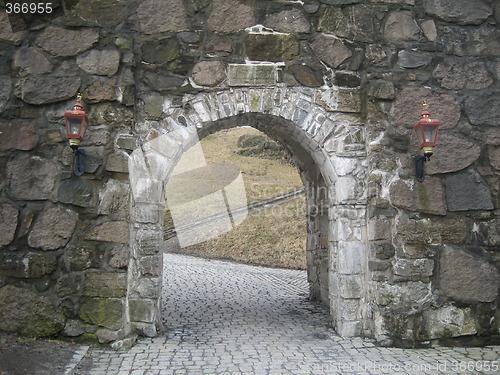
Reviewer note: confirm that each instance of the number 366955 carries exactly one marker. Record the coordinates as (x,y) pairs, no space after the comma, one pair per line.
(28,8)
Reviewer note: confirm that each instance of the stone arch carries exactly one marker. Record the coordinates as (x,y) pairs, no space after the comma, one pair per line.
(329,149)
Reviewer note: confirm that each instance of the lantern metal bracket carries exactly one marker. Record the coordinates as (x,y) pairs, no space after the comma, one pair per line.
(80,157)
(419,165)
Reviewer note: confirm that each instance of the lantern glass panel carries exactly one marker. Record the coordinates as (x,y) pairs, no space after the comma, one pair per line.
(74,125)
(430,133)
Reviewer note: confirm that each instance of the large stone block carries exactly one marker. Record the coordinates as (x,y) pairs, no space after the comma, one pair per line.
(105,284)
(158,16)
(253,74)
(353,23)
(27,265)
(82,258)
(400,26)
(449,155)
(142,310)
(101,13)
(27,61)
(103,312)
(8,223)
(53,228)
(229,16)
(449,321)
(330,50)
(45,90)
(111,231)
(463,12)
(461,41)
(408,108)
(114,199)
(413,268)
(31,177)
(24,312)
(467,192)
(18,135)
(77,192)
(271,47)
(100,62)
(209,73)
(467,275)
(352,258)
(59,41)
(457,74)
(427,196)
(288,21)
(481,108)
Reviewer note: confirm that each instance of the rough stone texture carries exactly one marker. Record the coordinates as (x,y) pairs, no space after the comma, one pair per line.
(481,108)
(476,41)
(24,312)
(330,50)
(77,192)
(5,91)
(355,23)
(218,47)
(413,60)
(102,13)
(45,90)
(118,162)
(18,135)
(228,16)
(8,223)
(271,47)
(450,155)
(31,177)
(64,42)
(459,75)
(307,76)
(105,284)
(29,265)
(53,229)
(401,26)
(99,92)
(466,192)
(112,231)
(100,62)
(160,51)
(209,73)
(408,107)
(288,21)
(467,275)
(252,75)
(463,12)
(425,197)
(7,34)
(449,321)
(114,199)
(103,312)
(158,16)
(494,156)
(27,61)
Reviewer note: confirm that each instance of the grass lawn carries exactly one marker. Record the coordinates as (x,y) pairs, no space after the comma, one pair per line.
(271,236)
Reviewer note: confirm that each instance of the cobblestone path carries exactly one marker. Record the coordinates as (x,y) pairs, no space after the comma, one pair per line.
(226,318)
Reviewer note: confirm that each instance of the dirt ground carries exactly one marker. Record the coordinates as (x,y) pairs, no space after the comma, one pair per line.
(22,356)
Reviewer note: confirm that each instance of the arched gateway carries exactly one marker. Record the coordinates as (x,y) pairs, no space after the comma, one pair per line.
(328,148)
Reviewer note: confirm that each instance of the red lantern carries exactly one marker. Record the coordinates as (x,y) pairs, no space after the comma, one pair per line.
(76,123)
(426,130)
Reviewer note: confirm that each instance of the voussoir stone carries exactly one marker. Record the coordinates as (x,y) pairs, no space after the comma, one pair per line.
(463,12)
(22,311)
(330,50)
(31,177)
(100,62)
(59,41)
(449,155)
(158,16)
(209,73)
(288,21)
(467,275)
(45,89)
(8,223)
(467,192)
(228,16)
(53,228)
(408,107)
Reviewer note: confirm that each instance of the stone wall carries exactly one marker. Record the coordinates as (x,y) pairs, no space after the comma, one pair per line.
(403,261)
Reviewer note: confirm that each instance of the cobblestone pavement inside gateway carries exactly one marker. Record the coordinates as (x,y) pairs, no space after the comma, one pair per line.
(226,318)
